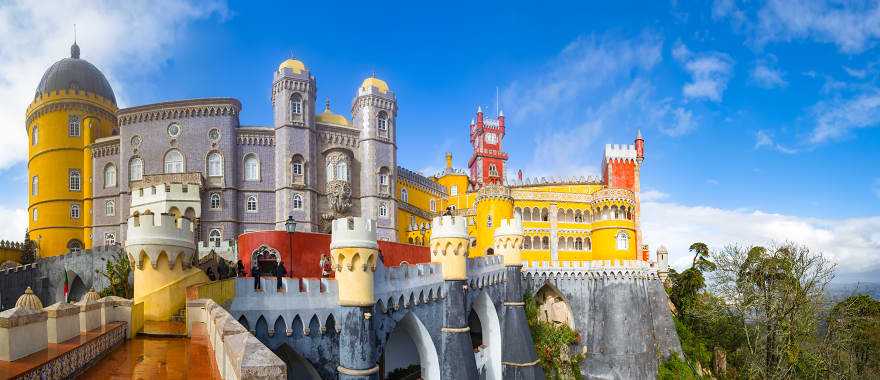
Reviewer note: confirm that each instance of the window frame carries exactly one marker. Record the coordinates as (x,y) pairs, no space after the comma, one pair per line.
(35,186)
(216,239)
(131,166)
(74,180)
(622,241)
(166,162)
(383,210)
(248,158)
(35,135)
(112,238)
(74,126)
(209,164)
(75,211)
(211,198)
(256,203)
(404,195)
(297,198)
(110,169)
(109,208)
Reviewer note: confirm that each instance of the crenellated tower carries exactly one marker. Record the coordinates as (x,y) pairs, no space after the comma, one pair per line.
(293,103)
(374,113)
(620,170)
(488,159)
(354,252)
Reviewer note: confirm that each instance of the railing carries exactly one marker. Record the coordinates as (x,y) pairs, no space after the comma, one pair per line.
(221,292)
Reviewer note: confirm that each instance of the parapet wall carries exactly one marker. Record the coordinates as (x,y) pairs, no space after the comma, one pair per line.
(164,229)
(160,198)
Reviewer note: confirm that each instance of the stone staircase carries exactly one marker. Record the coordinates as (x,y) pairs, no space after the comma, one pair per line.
(175,327)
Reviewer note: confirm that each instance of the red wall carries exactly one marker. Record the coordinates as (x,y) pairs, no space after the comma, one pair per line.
(305,257)
(623,175)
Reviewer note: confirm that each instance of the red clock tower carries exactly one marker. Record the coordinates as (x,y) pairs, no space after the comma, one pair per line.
(487,162)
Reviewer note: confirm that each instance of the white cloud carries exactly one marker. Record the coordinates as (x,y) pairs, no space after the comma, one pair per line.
(709,71)
(767,77)
(853,26)
(836,118)
(126,39)
(713,182)
(14,224)
(853,243)
(652,195)
(764,139)
(856,73)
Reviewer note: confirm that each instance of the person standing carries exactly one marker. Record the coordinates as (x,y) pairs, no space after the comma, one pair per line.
(279,274)
(255,271)
(239,268)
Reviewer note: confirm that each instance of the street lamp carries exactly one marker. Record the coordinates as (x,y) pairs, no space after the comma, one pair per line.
(290,224)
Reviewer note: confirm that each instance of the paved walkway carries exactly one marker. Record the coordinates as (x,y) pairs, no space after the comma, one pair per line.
(158,358)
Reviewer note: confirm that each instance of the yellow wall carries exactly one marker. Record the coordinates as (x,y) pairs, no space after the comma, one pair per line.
(163,290)
(354,274)
(420,198)
(51,159)
(497,209)
(8,254)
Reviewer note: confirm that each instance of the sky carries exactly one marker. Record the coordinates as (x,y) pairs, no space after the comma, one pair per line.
(760,118)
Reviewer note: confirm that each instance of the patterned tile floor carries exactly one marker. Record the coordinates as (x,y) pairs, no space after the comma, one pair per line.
(157,358)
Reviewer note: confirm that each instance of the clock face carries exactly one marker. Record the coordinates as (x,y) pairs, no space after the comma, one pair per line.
(491,138)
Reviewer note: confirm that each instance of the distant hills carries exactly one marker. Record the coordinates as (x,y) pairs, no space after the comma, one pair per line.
(839,291)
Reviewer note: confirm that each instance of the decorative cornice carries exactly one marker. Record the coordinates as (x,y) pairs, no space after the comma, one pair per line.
(256,136)
(68,105)
(180,109)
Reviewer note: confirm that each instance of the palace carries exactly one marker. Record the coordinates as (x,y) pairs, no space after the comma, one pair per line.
(92,166)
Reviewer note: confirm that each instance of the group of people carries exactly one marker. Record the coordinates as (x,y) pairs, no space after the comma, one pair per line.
(278,271)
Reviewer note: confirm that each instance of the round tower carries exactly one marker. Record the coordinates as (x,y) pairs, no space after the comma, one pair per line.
(354,252)
(73,105)
(493,204)
(449,246)
(508,241)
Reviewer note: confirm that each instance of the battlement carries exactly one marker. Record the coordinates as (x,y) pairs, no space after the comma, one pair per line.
(581,180)
(164,229)
(509,227)
(13,245)
(448,226)
(590,264)
(164,192)
(620,152)
(353,232)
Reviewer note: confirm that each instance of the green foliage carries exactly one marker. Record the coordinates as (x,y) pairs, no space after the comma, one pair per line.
(117,271)
(29,251)
(853,338)
(553,343)
(687,285)
(675,369)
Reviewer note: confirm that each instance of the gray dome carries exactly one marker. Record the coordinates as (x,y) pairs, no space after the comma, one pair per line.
(75,73)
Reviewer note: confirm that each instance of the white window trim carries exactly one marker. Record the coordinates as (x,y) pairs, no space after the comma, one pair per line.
(131,172)
(211,201)
(294,201)
(35,185)
(256,204)
(35,135)
(71,174)
(208,165)
(219,237)
(172,169)
(75,211)
(247,158)
(109,208)
(383,210)
(107,170)
(74,126)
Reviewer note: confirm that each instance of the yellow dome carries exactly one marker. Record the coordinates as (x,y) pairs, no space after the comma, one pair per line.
(328,117)
(375,82)
(294,65)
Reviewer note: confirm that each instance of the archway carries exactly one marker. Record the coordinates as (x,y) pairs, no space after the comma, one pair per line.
(267,258)
(77,287)
(298,367)
(486,336)
(553,307)
(410,343)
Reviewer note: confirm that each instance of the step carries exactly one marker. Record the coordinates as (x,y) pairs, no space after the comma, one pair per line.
(164,329)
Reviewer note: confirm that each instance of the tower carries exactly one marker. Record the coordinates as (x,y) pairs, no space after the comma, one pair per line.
(488,159)
(620,170)
(493,204)
(449,247)
(73,106)
(354,252)
(374,113)
(293,105)
(518,356)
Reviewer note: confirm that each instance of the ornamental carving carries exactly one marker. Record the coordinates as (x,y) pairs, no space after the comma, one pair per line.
(339,199)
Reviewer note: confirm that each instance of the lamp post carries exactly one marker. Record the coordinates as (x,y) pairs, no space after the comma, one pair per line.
(290,226)
(424,238)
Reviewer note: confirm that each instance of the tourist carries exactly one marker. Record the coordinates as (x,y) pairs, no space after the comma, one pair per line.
(239,268)
(279,274)
(255,271)
(223,270)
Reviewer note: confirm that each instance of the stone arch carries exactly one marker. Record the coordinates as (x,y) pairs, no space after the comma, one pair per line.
(298,367)
(553,306)
(279,327)
(77,287)
(298,325)
(244,322)
(490,333)
(411,327)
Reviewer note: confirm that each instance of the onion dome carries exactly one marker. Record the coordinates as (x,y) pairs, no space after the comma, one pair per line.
(294,65)
(92,295)
(372,81)
(75,74)
(328,117)
(29,300)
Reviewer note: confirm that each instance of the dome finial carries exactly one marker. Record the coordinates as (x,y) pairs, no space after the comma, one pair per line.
(74,49)
(327,105)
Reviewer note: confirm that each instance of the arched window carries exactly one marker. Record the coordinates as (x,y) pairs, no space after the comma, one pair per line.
(489,221)
(561,244)
(251,167)
(35,214)
(342,171)
(297,166)
(589,244)
(578,217)
(35,135)
(74,182)
(579,244)
(109,238)
(527,214)
(174,162)
(545,242)
(493,170)
(296,105)
(35,185)
(297,202)
(382,122)
(527,243)
(622,240)
(384,183)
(74,211)
(453,190)
(110,176)
(383,210)
(73,126)
(74,246)
(215,237)
(404,195)
(545,215)
(109,208)
(215,165)
(251,205)
(214,201)
(331,171)
(433,205)
(136,169)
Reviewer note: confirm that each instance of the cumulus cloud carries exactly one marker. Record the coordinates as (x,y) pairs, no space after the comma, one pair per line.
(836,118)
(853,243)
(766,76)
(123,39)
(14,223)
(853,26)
(709,71)
(764,139)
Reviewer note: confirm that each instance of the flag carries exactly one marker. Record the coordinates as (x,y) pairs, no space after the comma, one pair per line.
(66,286)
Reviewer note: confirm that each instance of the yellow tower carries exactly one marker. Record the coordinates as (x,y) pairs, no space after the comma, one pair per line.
(353,249)
(449,246)
(493,204)
(74,105)
(509,240)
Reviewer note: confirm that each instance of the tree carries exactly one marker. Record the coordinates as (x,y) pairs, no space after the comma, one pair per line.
(553,344)
(689,283)
(117,271)
(852,338)
(778,293)
(29,249)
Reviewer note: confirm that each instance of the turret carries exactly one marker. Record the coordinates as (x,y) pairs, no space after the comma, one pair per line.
(508,241)
(354,251)
(449,246)
(640,146)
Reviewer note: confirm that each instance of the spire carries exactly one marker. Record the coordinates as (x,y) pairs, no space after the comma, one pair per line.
(479,109)
(501,113)
(327,105)
(74,49)
(639,135)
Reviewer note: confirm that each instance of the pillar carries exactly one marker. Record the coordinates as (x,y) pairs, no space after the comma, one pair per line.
(518,357)
(449,247)
(354,253)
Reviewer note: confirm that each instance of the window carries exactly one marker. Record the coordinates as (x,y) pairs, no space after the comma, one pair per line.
(215,165)
(109,238)
(433,205)
(383,210)
(35,214)
(74,246)
(109,176)
(74,182)
(35,185)
(174,162)
(109,208)
(135,169)
(382,120)
(384,187)
(297,168)
(73,126)
(252,204)
(296,105)
(622,240)
(214,201)
(297,202)
(493,170)
(214,237)
(489,221)
(342,171)
(404,195)
(251,168)
(453,190)
(74,211)
(174,130)
(35,135)
(579,244)
(214,134)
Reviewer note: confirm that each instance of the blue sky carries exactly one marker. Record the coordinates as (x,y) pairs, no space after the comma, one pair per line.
(760,119)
